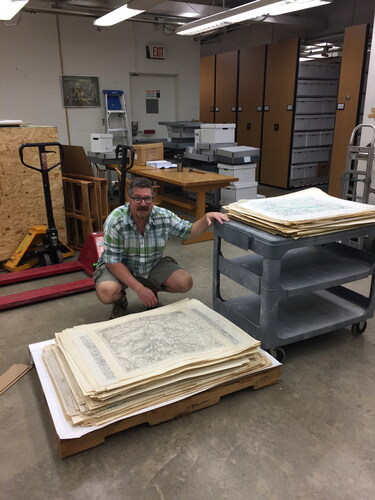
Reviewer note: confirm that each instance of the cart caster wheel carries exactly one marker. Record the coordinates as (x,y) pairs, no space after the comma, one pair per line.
(369,244)
(278,353)
(359,328)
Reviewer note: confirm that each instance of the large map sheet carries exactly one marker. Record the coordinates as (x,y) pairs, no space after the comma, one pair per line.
(111,369)
(304,213)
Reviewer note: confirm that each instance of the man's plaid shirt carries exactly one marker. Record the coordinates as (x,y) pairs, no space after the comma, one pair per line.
(123,242)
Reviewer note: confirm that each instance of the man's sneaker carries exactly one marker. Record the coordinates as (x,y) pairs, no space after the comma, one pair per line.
(119,309)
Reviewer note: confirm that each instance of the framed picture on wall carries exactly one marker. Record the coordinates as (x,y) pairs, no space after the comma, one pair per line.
(80,91)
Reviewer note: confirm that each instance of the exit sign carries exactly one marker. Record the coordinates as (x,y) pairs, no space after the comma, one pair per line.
(155,52)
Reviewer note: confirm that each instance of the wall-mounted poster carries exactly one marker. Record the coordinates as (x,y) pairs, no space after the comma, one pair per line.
(80,91)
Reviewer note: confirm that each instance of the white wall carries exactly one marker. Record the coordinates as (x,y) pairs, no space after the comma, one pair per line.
(369,112)
(30,87)
(369,107)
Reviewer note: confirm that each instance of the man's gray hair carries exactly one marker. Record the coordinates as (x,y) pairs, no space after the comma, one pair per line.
(140,182)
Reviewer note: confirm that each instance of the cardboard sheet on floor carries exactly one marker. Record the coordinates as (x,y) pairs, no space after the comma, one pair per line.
(12,375)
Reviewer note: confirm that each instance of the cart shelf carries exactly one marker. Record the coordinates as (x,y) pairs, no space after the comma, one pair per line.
(303,269)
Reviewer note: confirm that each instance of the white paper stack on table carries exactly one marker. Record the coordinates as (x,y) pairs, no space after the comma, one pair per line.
(161,164)
(109,370)
(305,213)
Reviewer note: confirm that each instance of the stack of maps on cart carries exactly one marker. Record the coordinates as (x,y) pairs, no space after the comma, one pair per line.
(308,212)
(109,370)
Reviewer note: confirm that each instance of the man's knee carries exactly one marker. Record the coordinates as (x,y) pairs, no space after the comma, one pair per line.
(108,292)
(179,282)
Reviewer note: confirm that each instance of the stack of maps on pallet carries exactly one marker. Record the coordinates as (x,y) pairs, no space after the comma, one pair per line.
(106,371)
(305,213)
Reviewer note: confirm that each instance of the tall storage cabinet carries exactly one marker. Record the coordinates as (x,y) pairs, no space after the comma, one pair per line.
(207,89)
(279,98)
(251,76)
(348,100)
(226,87)
(300,114)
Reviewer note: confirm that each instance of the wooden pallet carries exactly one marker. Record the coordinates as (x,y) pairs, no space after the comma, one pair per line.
(269,376)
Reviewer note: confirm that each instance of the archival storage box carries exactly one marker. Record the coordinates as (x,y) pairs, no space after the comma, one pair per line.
(236,155)
(217,132)
(101,143)
(240,191)
(245,172)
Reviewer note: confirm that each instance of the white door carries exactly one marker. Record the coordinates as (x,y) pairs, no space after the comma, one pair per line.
(154,98)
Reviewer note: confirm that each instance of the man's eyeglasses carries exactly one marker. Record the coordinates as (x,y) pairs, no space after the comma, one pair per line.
(138,199)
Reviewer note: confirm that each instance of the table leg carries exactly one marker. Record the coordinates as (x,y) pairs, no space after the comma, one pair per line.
(200,210)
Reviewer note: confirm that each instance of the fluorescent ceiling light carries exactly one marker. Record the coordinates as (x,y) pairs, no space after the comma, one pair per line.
(117,15)
(9,8)
(252,10)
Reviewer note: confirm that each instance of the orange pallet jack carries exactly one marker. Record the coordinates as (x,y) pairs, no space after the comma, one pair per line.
(28,252)
(42,245)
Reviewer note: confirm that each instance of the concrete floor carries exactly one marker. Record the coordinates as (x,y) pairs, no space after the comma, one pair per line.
(312,436)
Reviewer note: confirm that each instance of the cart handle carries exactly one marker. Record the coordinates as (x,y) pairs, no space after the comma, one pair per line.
(359,127)
(42,154)
(122,152)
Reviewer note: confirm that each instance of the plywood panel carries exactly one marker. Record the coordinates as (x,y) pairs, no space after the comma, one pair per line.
(352,66)
(226,87)
(281,74)
(207,89)
(21,189)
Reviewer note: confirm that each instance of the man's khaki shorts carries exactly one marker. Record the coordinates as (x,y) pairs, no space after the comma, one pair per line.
(158,274)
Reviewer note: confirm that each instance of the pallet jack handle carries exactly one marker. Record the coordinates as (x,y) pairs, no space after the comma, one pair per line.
(122,155)
(44,169)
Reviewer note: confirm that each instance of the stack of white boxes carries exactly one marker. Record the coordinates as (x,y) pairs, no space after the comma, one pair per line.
(208,138)
(238,161)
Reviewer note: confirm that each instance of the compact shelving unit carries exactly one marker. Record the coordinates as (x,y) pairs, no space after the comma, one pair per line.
(295,286)
(314,121)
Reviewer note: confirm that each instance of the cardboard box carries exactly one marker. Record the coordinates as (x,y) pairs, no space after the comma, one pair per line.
(148,152)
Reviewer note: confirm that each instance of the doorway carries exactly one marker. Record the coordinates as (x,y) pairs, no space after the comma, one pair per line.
(154,99)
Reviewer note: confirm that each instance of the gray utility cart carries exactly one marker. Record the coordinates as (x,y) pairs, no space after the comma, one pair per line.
(295,286)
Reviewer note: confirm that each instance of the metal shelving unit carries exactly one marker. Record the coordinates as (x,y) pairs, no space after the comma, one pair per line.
(314,121)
